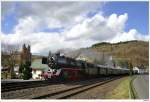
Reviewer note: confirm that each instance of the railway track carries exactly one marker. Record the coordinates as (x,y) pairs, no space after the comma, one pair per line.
(63,94)
(6,87)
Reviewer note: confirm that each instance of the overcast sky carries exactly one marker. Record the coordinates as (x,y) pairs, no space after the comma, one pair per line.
(56,25)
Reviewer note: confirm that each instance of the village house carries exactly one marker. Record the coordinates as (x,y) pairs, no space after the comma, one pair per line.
(38,68)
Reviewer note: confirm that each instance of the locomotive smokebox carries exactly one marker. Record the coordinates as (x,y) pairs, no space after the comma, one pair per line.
(44,60)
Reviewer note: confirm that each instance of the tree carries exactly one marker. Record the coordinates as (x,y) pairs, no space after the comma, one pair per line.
(21,67)
(26,70)
(130,66)
(9,52)
(25,63)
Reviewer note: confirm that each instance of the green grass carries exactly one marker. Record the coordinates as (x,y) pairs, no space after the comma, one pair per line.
(132,89)
(121,91)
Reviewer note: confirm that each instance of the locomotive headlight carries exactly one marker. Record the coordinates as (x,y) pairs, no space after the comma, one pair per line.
(52,58)
(51,61)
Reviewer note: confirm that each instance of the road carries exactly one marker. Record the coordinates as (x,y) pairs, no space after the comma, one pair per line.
(141,85)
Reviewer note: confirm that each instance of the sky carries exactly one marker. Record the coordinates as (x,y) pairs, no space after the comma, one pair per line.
(72,25)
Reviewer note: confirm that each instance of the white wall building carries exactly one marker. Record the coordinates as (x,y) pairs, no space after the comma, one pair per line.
(38,68)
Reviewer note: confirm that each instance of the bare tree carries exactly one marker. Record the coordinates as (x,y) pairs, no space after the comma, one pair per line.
(9,53)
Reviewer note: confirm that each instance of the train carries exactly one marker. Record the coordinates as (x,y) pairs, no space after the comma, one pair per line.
(65,68)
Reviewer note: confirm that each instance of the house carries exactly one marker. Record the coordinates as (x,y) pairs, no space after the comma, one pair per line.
(4,69)
(136,68)
(38,68)
(16,71)
(141,70)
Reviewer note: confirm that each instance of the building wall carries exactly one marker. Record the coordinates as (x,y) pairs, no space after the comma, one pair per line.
(36,74)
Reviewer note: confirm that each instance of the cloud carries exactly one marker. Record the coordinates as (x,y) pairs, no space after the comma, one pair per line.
(79,29)
(98,27)
(52,13)
(117,23)
(133,34)
(27,25)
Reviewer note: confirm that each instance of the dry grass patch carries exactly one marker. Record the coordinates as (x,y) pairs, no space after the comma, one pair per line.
(121,91)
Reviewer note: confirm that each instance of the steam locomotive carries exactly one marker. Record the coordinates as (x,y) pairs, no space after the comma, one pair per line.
(66,68)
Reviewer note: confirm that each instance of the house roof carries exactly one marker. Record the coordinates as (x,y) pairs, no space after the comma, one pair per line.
(37,64)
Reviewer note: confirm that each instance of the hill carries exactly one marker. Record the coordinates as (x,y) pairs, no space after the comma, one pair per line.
(136,52)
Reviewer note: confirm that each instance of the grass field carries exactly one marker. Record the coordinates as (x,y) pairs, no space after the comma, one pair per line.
(121,91)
